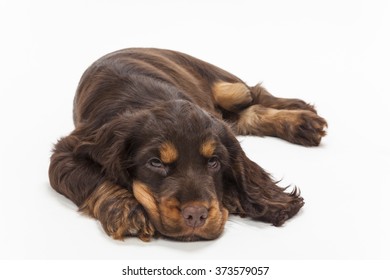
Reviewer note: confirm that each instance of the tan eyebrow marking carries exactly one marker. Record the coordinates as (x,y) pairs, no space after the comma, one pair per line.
(207,148)
(168,152)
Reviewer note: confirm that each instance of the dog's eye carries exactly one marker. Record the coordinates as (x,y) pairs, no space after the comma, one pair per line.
(156,163)
(213,163)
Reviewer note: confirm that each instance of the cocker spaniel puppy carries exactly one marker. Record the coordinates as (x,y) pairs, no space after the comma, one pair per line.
(154,151)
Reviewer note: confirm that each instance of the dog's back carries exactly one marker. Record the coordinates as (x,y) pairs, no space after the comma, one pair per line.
(137,78)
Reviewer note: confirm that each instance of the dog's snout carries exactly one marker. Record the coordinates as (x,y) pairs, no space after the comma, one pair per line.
(195,216)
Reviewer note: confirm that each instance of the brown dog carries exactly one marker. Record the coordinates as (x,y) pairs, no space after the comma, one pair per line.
(154,149)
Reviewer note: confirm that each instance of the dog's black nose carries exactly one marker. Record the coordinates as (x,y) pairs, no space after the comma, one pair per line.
(195,216)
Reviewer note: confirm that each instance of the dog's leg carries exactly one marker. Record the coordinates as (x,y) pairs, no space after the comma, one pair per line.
(261,96)
(297,126)
(81,180)
(119,212)
(232,97)
(261,114)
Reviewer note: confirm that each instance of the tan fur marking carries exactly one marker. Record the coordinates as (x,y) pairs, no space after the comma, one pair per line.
(215,221)
(145,197)
(116,209)
(174,224)
(253,117)
(207,149)
(105,191)
(168,152)
(297,126)
(170,210)
(264,121)
(231,95)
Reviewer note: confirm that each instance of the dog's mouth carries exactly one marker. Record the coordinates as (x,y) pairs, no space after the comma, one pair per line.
(174,229)
(191,237)
(192,222)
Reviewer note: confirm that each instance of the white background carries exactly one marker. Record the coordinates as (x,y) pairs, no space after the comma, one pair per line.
(334,54)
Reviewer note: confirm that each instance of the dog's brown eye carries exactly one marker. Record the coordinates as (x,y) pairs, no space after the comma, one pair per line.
(155,162)
(213,163)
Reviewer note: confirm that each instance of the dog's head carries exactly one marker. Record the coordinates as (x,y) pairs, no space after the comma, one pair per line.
(178,171)
(176,159)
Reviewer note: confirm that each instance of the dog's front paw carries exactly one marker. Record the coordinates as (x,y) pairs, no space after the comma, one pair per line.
(119,212)
(306,128)
(141,226)
(127,222)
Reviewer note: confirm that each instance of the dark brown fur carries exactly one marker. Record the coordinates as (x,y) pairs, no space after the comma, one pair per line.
(154,149)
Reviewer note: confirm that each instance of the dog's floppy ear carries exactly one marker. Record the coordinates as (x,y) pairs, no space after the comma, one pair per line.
(110,146)
(250,191)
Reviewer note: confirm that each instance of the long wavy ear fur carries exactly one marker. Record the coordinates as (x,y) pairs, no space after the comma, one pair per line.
(90,155)
(110,146)
(250,191)
(73,174)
